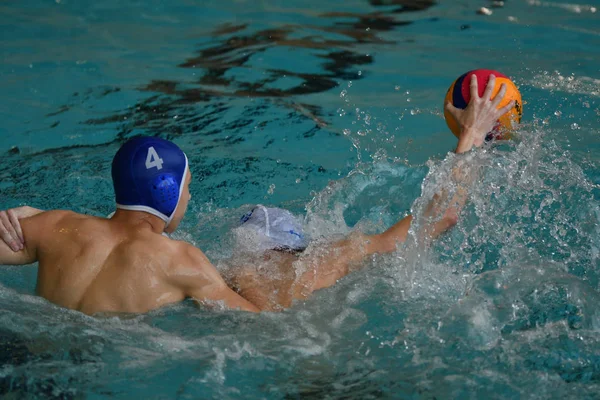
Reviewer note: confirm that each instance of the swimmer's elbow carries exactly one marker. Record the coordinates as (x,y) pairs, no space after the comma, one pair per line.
(221,293)
(450,218)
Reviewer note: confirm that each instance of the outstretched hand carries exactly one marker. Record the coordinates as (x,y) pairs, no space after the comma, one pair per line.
(10,227)
(480,116)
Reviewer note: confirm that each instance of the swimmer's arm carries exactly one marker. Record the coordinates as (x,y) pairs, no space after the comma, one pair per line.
(219,291)
(475,122)
(10,227)
(201,281)
(442,212)
(33,230)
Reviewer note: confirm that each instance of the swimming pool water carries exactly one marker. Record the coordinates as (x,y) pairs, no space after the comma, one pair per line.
(333,110)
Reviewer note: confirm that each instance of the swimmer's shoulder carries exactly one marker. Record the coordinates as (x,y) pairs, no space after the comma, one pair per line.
(78,222)
(184,254)
(47,219)
(40,228)
(190,269)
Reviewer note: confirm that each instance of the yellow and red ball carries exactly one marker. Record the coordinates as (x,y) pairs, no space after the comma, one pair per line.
(459,94)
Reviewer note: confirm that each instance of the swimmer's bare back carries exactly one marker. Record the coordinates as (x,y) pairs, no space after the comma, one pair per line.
(98,265)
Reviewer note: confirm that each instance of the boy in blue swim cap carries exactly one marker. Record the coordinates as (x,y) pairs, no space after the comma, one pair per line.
(124,264)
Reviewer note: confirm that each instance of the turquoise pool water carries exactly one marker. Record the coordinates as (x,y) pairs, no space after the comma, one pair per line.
(332,110)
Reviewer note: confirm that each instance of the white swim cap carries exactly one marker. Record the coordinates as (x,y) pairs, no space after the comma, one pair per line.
(273,229)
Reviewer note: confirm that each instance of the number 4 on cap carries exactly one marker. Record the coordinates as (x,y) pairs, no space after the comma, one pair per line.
(153,160)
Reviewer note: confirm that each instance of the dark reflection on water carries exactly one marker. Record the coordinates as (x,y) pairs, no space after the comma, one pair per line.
(339,62)
(328,53)
(337,53)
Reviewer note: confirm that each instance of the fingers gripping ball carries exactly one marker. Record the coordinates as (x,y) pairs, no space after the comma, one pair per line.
(459,95)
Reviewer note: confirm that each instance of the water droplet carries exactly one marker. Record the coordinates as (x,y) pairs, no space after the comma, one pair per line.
(484,11)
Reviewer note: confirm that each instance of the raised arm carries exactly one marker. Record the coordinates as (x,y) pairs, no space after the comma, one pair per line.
(475,122)
(200,280)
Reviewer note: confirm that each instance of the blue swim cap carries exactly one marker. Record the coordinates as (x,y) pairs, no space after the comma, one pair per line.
(148,175)
(273,229)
